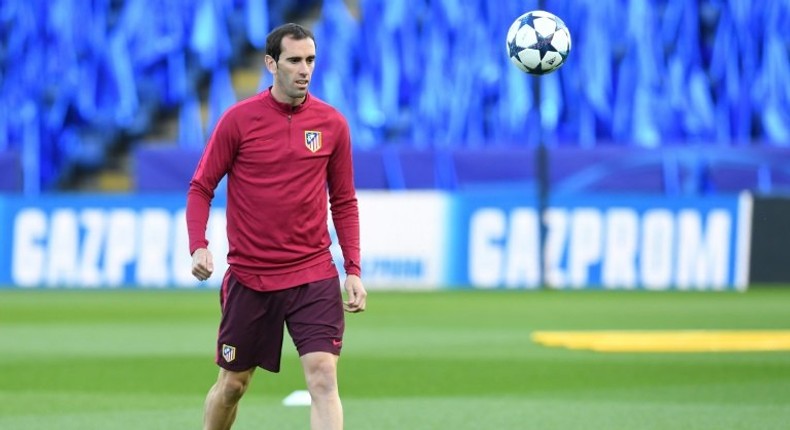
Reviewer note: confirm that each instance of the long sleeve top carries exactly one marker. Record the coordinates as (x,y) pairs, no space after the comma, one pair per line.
(286,166)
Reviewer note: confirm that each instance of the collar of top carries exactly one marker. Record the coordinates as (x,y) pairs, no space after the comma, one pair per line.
(285,108)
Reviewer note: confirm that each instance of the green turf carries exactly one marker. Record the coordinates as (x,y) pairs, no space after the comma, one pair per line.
(142,359)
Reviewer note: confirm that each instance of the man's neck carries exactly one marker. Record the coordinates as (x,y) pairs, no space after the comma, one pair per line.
(282,98)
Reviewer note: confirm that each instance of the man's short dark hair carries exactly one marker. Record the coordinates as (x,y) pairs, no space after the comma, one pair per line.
(275,38)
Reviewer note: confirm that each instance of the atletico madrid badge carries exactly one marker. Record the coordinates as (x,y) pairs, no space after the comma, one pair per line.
(312,140)
(228,352)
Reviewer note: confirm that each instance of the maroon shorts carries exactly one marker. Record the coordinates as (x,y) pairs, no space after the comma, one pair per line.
(251,330)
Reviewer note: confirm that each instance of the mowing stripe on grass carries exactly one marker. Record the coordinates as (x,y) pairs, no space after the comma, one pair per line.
(458,360)
(667,341)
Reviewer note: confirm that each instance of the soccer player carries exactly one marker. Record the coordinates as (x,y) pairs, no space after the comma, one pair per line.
(286,155)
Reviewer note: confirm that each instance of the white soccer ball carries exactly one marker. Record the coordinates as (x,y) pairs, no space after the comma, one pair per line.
(538,42)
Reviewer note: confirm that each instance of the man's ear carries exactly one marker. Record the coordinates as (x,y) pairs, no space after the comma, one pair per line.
(271,65)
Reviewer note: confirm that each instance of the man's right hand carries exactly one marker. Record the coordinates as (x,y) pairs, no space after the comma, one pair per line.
(202,264)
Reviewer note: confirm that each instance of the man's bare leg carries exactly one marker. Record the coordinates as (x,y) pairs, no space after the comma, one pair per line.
(326,411)
(222,400)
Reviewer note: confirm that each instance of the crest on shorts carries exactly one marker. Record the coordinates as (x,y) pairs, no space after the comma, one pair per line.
(312,140)
(228,352)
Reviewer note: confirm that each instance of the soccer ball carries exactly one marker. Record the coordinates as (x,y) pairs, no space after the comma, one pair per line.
(538,42)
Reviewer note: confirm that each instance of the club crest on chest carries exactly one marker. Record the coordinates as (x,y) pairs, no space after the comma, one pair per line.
(312,140)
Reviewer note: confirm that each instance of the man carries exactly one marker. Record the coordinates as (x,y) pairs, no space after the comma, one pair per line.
(282,150)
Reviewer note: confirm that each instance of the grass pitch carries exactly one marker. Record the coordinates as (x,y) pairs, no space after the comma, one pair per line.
(142,359)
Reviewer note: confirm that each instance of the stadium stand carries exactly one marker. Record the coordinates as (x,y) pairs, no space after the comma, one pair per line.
(83,81)
(660,105)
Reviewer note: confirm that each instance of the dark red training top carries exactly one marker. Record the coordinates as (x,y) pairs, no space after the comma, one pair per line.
(280,161)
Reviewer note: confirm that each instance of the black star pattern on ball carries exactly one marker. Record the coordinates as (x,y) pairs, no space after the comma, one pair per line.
(543,44)
(512,46)
(514,49)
